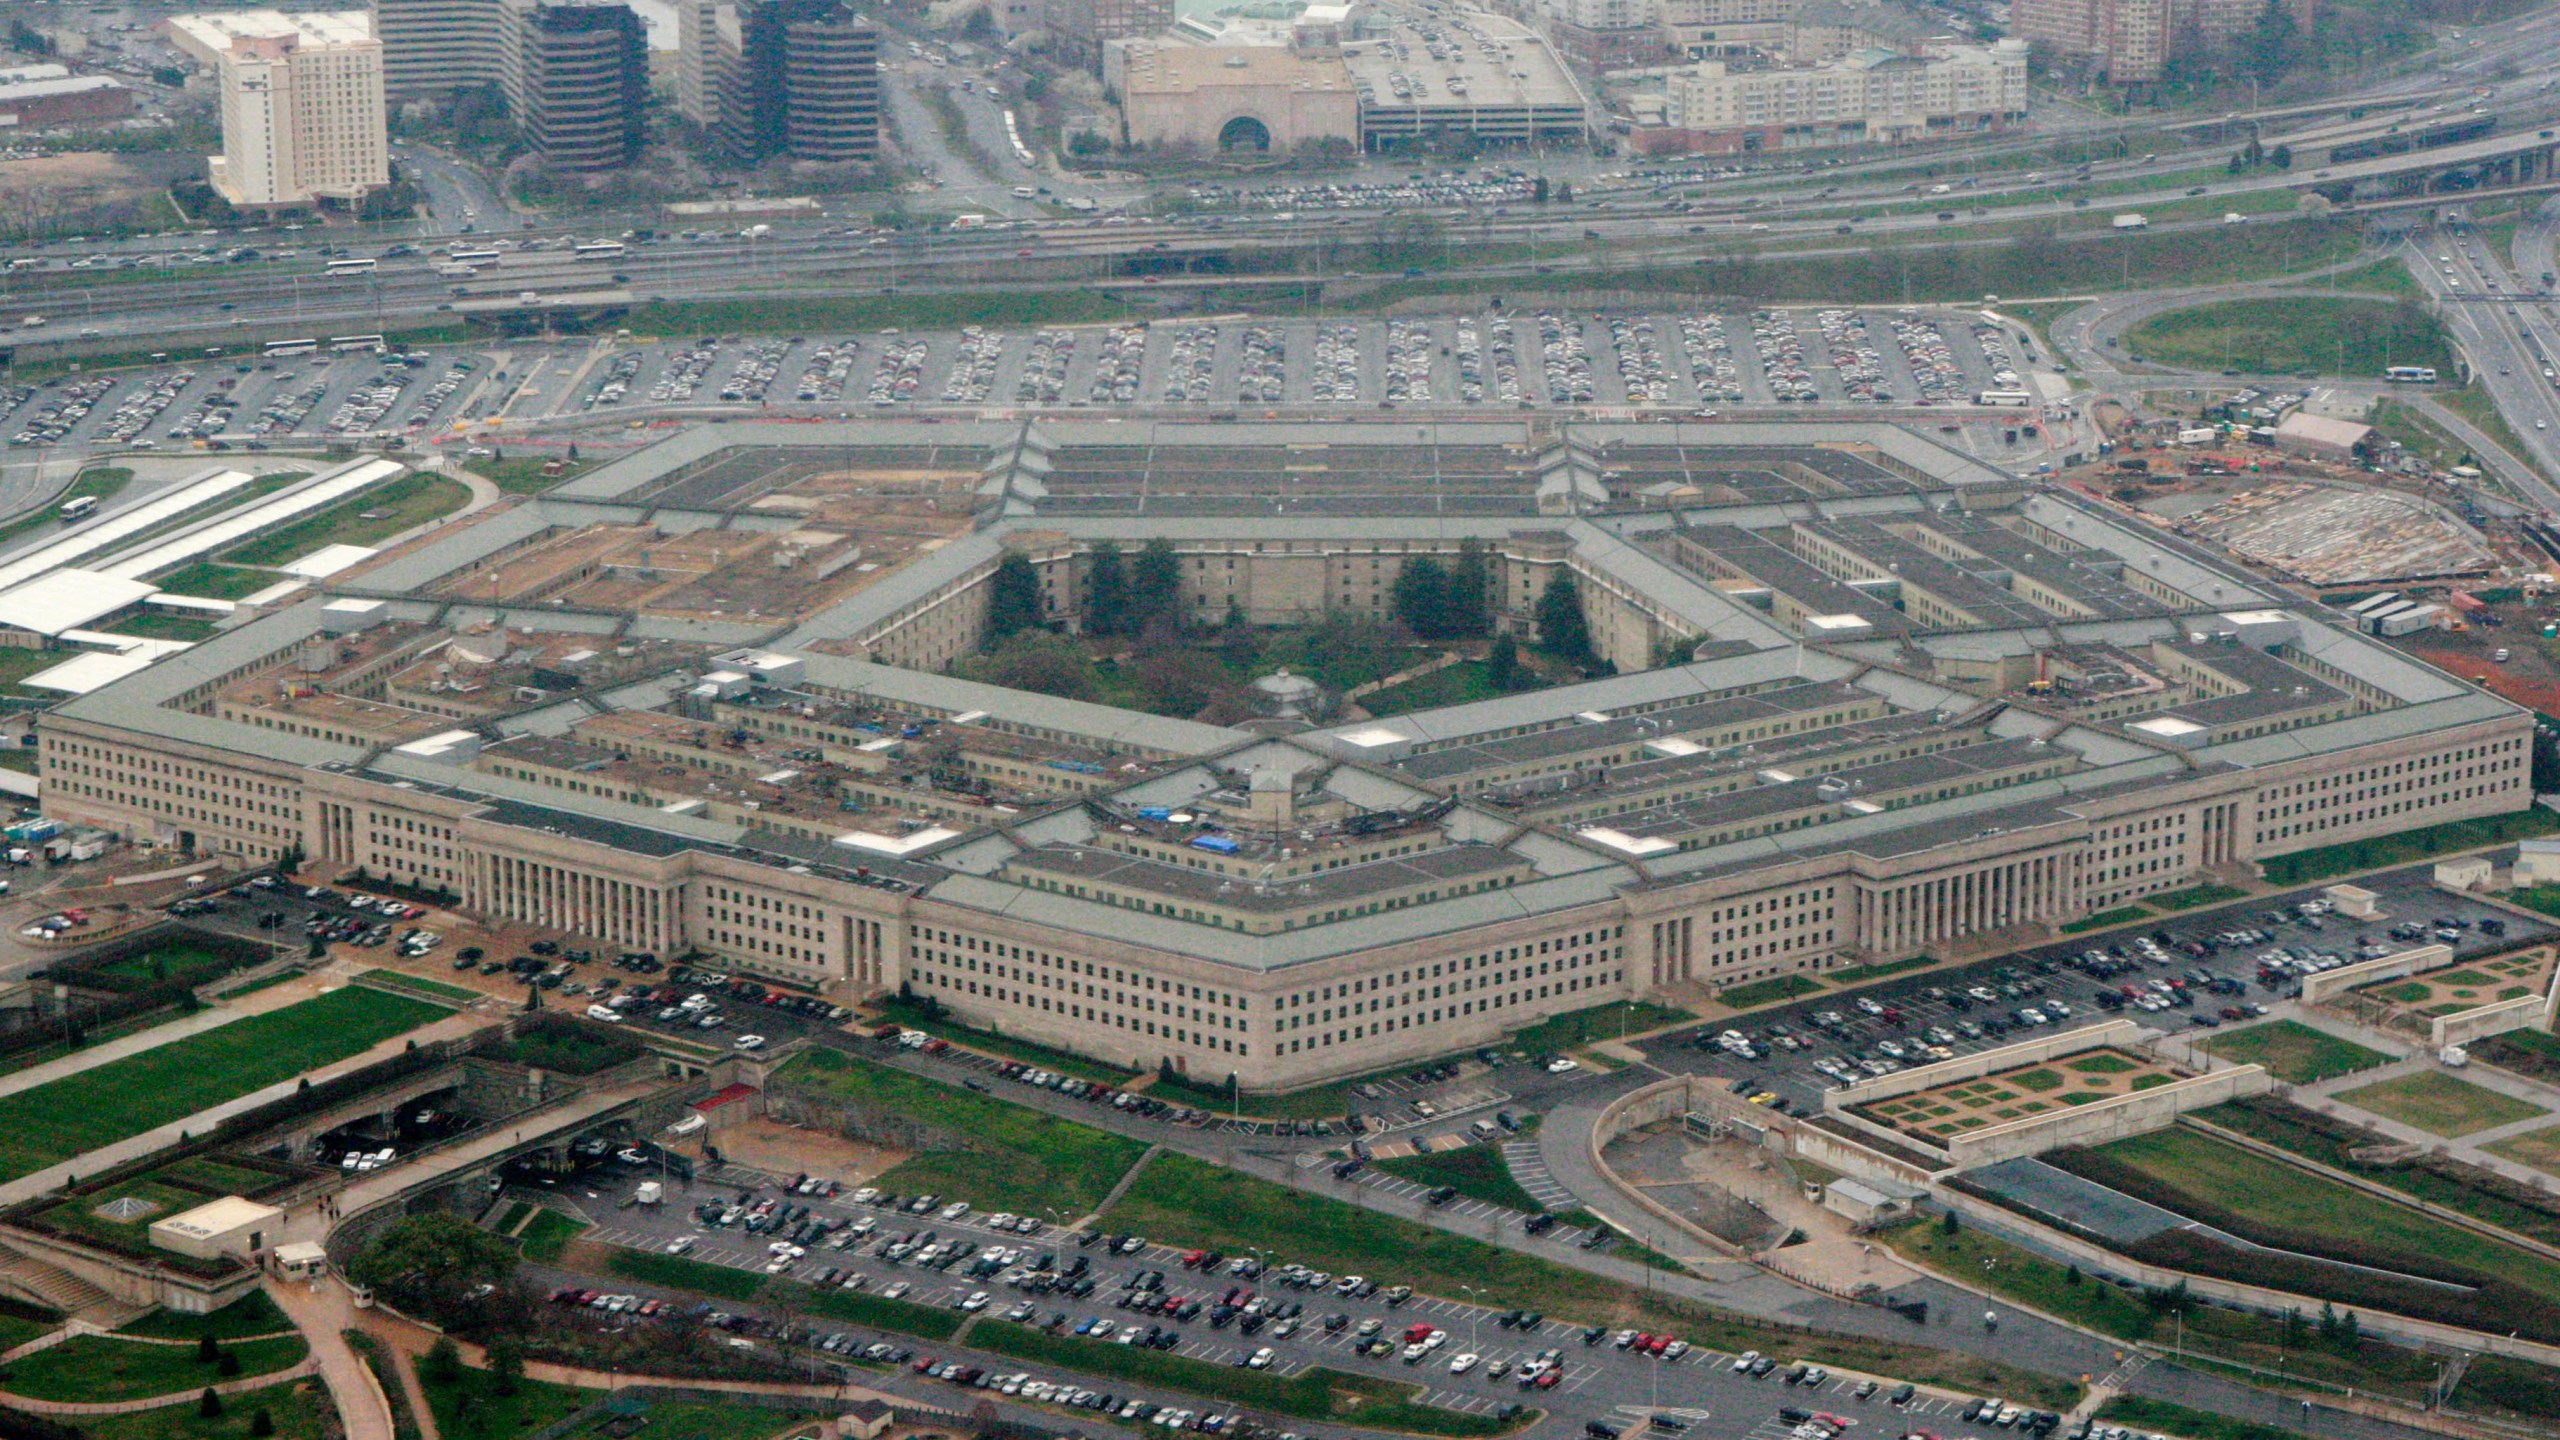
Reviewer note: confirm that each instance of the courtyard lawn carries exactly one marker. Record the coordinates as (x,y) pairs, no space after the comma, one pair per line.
(2304,866)
(210,581)
(997,1156)
(97,1367)
(2537,1148)
(1461,684)
(251,1314)
(78,1113)
(1600,1022)
(470,1407)
(2440,1104)
(2294,1052)
(1767,992)
(367,518)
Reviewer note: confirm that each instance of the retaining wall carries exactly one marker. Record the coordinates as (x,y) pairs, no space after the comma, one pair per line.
(2111,1119)
(2463,1027)
(2329,984)
(2118,1033)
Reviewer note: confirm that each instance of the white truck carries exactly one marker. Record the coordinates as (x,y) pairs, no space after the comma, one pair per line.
(2131,221)
(650,1192)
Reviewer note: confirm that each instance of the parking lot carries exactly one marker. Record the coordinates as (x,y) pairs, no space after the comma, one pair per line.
(1797,1051)
(1018,1270)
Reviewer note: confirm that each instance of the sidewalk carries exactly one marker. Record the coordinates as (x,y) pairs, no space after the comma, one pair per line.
(324,1313)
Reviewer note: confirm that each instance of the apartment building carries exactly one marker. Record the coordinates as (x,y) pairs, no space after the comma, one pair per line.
(2133,41)
(1873,97)
(301,105)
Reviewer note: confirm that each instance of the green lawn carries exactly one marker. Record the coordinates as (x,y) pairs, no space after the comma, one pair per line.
(918,1016)
(548,1235)
(187,628)
(2333,336)
(421,984)
(78,1113)
(1478,1171)
(1460,684)
(95,1367)
(1862,974)
(251,1314)
(2537,1148)
(2193,896)
(1184,1201)
(2519,1387)
(675,1272)
(2440,1104)
(411,500)
(706,1420)
(2382,277)
(1600,1022)
(470,1408)
(1767,992)
(2104,919)
(2294,1052)
(22,1323)
(2160,1415)
(295,1408)
(997,1156)
(1363,1401)
(2304,866)
(522,474)
(2283,1197)
(2474,403)
(215,581)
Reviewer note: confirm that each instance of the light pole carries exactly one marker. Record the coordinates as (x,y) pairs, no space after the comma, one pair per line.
(1475,1314)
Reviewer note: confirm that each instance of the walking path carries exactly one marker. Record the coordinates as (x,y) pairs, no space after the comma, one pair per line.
(2326,1096)
(106,1052)
(324,1312)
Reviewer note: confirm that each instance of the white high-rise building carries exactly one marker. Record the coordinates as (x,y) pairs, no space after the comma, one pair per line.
(302,108)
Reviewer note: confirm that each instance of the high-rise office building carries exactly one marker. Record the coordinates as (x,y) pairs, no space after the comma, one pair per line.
(302,105)
(796,78)
(431,48)
(576,76)
(2134,40)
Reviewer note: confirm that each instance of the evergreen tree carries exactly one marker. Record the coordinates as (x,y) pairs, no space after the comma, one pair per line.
(1421,598)
(1013,598)
(2546,762)
(506,1365)
(207,1350)
(261,1424)
(2328,1323)
(1155,585)
(210,1406)
(2350,1332)
(1561,630)
(1106,599)
(1470,591)
(1502,663)
(2295,1328)
(1948,1224)
(2281,157)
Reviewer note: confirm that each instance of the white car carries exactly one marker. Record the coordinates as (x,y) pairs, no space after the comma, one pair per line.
(1561,1065)
(750,1042)
(680,1244)
(1261,1359)
(977,1301)
(1461,1364)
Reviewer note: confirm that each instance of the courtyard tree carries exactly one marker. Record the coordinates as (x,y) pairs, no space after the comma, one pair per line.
(1106,592)
(1013,598)
(1562,631)
(1155,587)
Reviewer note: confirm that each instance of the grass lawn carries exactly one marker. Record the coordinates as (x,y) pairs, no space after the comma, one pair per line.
(188,628)
(2519,1387)
(1181,1200)
(411,500)
(20,1324)
(2304,866)
(706,1420)
(296,1408)
(1368,1402)
(550,1233)
(78,1113)
(678,1273)
(2283,335)
(1862,974)
(421,984)
(1002,1157)
(2382,277)
(2474,403)
(1600,1022)
(1460,684)
(2281,1196)
(103,481)
(2537,1148)
(470,1408)
(2145,1413)
(906,1317)
(522,474)
(2440,1104)
(251,1314)
(1478,1171)
(2294,1052)
(219,582)
(95,1367)
(2104,919)
(917,1016)
(1767,992)
(2193,896)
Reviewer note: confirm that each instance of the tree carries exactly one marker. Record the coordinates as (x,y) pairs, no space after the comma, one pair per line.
(1155,586)
(1562,631)
(1948,1224)
(1035,660)
(1106,594)
(2328,1323)
(209,1405)
(442,1364)
(2296,1329)
(1178,680)
(1420,596)
(1407,237)
(1502,663)
(1013,598)
(2350,1332)
(2546,761)
(208,1349)
(506,1365)
(1471,590)
(261,1424)
(437,1251)
(2071,1276)
(228,1365)
(2281,157)
(1538,191)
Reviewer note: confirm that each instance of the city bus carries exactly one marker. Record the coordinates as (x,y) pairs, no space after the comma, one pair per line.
(275,348)
(599,250)
(2411,374)
(2004,397)
(363,266)
(346,343)
(79,509)
(471,257)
